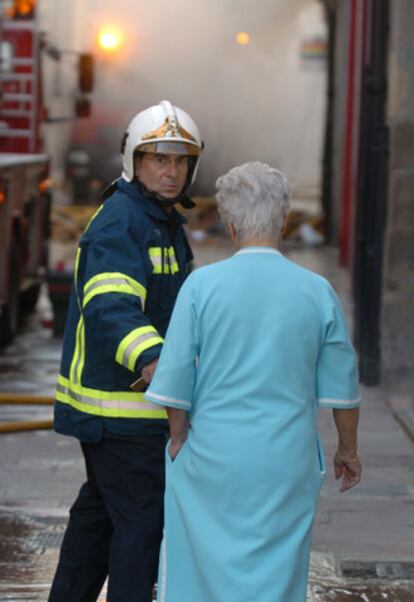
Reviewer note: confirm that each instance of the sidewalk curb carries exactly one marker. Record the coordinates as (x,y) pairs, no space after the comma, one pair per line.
(402,570)
(334,567)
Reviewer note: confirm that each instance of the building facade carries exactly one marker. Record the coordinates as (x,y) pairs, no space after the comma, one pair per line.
(370,192)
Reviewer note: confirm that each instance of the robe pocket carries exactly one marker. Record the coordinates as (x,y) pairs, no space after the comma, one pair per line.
(169,460)
(321,457)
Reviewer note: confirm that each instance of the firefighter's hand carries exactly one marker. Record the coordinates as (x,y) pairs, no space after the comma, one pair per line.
(147,372)
(348,467)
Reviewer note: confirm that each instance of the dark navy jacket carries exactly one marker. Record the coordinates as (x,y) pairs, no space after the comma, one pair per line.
(131,262)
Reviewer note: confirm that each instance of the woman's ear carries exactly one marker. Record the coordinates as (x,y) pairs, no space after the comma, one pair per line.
(232,232)
(284,227)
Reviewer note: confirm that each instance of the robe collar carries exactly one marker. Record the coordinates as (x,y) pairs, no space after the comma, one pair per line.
(246,250)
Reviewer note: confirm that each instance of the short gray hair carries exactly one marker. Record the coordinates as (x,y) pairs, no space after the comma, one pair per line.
(254,197)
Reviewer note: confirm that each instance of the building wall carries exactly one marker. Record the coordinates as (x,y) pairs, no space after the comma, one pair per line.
(341,52)
(398,301)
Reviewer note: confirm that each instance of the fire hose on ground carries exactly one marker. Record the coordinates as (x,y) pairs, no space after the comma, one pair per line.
(17,426)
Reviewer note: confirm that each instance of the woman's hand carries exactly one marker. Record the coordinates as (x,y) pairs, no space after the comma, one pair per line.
(348,466)
(346,461)
(178,420)
(174,448)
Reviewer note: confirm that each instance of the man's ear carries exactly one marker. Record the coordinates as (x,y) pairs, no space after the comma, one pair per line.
(137,163)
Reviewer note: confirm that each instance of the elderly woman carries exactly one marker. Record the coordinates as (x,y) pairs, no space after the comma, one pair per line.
(256,343)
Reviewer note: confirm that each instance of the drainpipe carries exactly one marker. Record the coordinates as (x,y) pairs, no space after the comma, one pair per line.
(344,243)
(328,152)
(372,192)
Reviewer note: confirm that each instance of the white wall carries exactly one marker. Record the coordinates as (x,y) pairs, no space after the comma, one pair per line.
(58,20)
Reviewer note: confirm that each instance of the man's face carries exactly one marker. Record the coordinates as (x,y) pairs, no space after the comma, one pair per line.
(165,174)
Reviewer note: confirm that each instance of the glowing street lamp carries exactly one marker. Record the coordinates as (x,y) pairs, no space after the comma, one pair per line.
(109,39)
(243,38)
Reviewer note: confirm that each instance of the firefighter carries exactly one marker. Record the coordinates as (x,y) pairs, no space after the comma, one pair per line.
(131,262)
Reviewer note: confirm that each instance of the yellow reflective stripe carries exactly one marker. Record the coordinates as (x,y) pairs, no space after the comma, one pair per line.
(116,404)
(76,360)
(154,252)
(107,277)
(75,279)
(93,217)
(81,361)
(142,347)
(113,282)
(163,260)
(156,259)
(78,254)
(110,288)
(120,413)
(137,341)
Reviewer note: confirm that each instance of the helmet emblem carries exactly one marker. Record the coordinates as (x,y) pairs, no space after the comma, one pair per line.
(169,129)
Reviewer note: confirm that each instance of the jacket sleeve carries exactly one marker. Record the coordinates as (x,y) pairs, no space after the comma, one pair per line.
(112,290)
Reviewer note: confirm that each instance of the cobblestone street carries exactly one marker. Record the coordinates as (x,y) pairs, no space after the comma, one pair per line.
(362,545)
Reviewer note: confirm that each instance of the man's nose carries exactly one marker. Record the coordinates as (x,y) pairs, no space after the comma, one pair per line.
(172,168)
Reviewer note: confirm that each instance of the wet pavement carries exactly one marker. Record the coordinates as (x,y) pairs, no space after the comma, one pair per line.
(363,542)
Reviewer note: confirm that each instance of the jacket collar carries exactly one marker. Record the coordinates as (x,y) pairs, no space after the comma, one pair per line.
(148,205)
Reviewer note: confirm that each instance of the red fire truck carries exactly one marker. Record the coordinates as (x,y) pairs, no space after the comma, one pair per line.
(24,184)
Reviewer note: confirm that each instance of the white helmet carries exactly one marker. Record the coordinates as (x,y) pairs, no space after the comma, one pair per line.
(164,129)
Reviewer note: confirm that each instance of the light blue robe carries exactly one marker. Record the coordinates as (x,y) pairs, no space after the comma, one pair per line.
(255,344)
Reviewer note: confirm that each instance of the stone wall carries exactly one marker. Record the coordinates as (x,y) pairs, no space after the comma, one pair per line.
(398,298)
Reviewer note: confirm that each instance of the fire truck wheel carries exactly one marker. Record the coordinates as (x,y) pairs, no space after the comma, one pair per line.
(29,298)
(10,315)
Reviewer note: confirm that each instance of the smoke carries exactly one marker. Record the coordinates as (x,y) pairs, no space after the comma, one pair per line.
(252,102)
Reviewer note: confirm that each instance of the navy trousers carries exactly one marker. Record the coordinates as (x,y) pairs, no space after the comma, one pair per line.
(115,525)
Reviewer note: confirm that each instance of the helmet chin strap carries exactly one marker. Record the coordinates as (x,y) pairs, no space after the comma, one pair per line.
(181,198)
(164,202)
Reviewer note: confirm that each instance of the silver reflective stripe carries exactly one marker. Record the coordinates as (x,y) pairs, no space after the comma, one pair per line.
(107,403)
(135,343)
(156,260)
(99,283)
